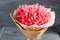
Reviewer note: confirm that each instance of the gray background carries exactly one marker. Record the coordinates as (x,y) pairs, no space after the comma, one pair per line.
(9,31)
(8,6)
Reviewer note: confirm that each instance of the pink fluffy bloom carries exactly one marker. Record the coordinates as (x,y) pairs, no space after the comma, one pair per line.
(32,14)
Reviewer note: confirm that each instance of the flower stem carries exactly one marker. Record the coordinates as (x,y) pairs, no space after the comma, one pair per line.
(31,39)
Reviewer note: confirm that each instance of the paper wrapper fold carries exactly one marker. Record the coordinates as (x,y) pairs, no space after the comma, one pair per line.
(29,33)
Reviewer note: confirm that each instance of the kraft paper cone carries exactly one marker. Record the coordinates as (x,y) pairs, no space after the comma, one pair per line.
(29,33)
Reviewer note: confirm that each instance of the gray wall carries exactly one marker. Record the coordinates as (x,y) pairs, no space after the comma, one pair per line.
(8,6)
